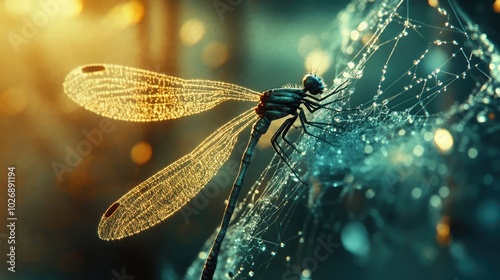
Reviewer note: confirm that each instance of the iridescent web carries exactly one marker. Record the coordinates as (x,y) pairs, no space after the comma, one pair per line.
(419,144)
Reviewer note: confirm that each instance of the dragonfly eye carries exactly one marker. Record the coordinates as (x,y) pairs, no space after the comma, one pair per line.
(313,84)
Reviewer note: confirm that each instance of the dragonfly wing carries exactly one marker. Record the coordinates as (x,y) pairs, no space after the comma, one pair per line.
(132,94)
(167,191)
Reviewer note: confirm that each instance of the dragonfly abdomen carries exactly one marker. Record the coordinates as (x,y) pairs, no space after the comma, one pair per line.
(260,127)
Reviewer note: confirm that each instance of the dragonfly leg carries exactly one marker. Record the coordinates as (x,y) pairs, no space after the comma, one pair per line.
(312,106)
(305,123)
(320,124)
(275,144)
(282,131)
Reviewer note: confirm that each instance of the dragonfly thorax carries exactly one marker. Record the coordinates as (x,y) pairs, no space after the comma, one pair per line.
(281,102)
(278,103)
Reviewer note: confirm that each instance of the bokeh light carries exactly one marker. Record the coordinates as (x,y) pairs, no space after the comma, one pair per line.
(443,234)
(433,3)
(141,153)
(496,6)
(215,54)
(443,140)
(126,14)
(192,31)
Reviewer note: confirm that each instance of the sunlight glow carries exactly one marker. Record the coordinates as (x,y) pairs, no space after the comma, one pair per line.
(72,8)
(320,61)
(17,7)
(307,44)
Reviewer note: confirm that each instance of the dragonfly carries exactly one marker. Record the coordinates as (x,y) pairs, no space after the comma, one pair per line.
(137,95)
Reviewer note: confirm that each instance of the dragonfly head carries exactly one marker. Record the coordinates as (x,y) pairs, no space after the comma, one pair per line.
(313,84)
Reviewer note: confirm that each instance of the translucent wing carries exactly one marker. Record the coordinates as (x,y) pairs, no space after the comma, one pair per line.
(132,94)
(168,190)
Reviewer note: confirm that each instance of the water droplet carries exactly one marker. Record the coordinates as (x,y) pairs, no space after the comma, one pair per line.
(263,247)
(481,117)
(359,74)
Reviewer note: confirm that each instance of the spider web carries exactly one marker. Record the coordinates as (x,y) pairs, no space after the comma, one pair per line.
(411,178)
